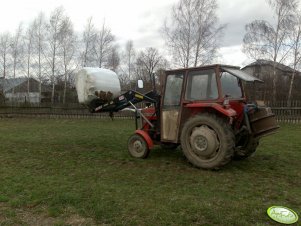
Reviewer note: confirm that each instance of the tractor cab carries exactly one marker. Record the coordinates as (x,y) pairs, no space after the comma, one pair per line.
(188,92)
(205,110)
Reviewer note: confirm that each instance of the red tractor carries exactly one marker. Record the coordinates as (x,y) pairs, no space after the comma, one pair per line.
(204,110)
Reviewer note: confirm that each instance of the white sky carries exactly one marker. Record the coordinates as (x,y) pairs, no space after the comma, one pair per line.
(139,20)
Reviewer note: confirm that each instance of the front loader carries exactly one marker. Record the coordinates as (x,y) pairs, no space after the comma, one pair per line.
(204,110)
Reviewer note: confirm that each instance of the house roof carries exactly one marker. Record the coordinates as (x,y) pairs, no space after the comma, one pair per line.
(8,84)
(279,66)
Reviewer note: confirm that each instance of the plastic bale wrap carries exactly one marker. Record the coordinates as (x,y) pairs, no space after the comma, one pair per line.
(96,83)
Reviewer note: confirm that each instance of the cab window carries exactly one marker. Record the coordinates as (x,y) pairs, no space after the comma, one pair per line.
(173,90)
(231,87)
(201,85)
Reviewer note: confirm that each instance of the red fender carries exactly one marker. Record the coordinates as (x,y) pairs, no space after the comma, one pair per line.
(146,137)
(228,112)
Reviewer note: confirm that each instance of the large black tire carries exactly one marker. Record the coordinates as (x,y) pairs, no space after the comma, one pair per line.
(246,147)
(137,146)
(207,141)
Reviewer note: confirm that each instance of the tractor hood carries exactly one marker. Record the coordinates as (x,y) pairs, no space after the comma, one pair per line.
(241,75)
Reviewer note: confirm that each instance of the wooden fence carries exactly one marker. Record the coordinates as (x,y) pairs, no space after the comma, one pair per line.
(56,112)
(287,113)
(283,113)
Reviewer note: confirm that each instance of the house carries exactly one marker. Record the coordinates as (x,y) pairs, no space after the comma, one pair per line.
(263,69)
(16,90)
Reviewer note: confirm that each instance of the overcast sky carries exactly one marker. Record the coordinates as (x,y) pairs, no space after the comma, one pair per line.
(140,20)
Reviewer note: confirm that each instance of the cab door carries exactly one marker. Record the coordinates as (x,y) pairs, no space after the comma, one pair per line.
(171,107)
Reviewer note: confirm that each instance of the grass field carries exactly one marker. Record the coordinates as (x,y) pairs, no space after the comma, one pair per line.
(78,172)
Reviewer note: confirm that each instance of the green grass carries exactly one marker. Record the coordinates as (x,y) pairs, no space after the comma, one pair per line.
(78,172)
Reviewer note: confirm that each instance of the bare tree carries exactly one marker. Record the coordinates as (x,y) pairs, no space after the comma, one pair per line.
(55,27)
(150,59)
(129,58)
(39,30)
(267,41)
(4,51)
(28,40)
(207,32)
(16,51)
(114,58)
(139,71)
(178,34)
(296,52)
(88,40)
(128,64)
(103,45)
(193,32)
(68,48)
(150,66)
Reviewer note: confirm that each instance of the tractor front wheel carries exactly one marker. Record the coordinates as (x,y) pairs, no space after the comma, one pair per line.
(207,141)
(137,146)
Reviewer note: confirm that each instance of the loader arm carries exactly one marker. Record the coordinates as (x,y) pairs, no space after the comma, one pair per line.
(124,100)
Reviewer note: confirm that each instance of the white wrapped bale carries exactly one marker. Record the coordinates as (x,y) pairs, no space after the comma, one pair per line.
(93,83)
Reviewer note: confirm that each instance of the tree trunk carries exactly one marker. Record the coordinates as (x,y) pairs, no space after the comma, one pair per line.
(28,75)
(274,82)
(197,51)
(40,91)
(196,55)
(52,92)
(14,76)
(289,98)
(28,84)
(53,72)
(4,65)
(276,44)
(40,83)
(85,59)
(65,87)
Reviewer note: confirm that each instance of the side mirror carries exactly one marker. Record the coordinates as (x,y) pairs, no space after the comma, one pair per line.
(140,84)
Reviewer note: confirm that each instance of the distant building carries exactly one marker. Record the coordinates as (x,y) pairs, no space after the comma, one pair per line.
(15,90)
(263,69)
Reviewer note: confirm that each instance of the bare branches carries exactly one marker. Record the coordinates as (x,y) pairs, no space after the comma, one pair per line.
(150,59)
(193,33)
(28,41)
(98,45)
(295,37)
(259,40)
(271,42)
(17,50)
(263,40)
(55,30)
(67,50)
(89,36)
(103,44)
(113,58)
(4,51)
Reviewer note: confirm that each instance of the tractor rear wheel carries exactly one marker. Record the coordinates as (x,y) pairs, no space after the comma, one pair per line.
(137,146)
(246,147)
(207,141)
